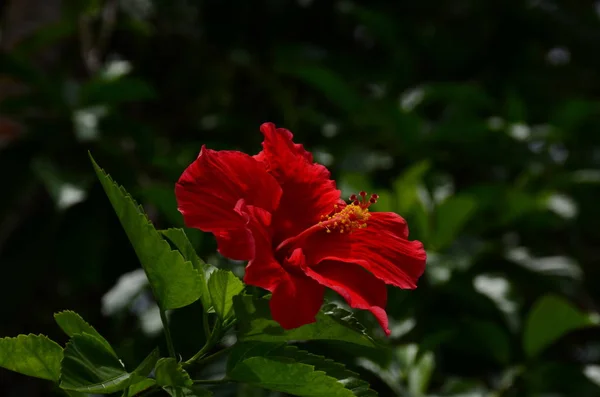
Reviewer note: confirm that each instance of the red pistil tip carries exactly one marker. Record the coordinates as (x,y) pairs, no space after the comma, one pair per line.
(363,199)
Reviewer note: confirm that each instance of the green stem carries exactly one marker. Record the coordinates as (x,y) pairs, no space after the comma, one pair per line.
(214,336)
(163,318)
(211,381)
(212,357)
(205,324)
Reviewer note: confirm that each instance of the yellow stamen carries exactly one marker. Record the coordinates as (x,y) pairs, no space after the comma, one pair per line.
(352,217)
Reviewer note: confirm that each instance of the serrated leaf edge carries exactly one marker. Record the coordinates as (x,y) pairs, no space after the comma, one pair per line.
(223,316)
(181,370)
(40,336)
(106,343)
(87,388)
(295,350)
(127,196)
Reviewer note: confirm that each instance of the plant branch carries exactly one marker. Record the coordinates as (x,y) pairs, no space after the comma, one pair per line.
(214,336)
(212,381)
(163,318)
(212,357)
(205,324)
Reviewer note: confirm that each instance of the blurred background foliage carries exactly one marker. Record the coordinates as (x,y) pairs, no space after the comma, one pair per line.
(476,120)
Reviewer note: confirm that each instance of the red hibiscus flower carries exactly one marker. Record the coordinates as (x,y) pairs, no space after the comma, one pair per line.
(281,211)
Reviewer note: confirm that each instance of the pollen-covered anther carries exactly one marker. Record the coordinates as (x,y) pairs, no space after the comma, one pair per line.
(346,219)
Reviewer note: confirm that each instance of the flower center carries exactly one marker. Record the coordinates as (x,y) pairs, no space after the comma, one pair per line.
(344,219)
(353,216)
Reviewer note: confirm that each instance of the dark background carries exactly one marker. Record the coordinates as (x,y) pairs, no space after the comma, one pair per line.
(475,120)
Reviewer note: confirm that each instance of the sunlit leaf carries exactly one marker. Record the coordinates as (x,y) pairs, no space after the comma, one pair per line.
(33,355)
(289,370)
(72,323)
(183,244)
(174,280)
(223,286)
(88,366)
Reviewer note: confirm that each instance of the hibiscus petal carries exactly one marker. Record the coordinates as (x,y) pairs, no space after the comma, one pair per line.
(296,301)
(381,248)
(278,138)
(263,270)
(308,191)
(209,193)
(237,243)
(357,286)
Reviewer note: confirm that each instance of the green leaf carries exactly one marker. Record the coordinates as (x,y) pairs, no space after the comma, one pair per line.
(288,377)
(450,217)
(176,381)
(550,318)
(174,280)
(72,323)
(289,370)
(223,286)
(148,364)
(88,366)
(420,373)
(170,373)
(139,387)
(183,244)
(244,350)
(32,355)
(194,391)
(139,380)
(408,199)
(333,323)
(406,185)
